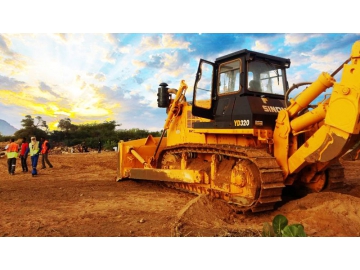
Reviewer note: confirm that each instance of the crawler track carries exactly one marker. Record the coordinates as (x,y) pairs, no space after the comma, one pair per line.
(271,182)
(336,176)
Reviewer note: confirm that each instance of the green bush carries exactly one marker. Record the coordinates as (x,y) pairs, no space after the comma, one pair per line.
(108,145)
(280,228)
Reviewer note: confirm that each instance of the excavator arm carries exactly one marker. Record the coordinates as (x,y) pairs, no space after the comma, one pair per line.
(332,127)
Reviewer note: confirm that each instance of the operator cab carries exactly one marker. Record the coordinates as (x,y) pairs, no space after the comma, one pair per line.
(244,86)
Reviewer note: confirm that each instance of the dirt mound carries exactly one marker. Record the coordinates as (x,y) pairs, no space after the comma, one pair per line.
(205,216)
(322,214)
(325,214)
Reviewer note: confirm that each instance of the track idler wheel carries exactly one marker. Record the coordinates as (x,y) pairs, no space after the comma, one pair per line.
(245,183)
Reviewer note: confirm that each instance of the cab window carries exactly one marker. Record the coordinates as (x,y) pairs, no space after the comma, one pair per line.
(265,77)
(229,77)
(203,87)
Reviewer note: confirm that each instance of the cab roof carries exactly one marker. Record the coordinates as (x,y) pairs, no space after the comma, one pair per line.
(251,55)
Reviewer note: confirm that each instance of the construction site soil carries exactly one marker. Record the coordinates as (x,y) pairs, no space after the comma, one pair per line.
(79,196)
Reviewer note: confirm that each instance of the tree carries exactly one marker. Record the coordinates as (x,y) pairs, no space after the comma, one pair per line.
(32,129)
(29,132)
(41,123)
(65,124)
(28,122)
(109,125)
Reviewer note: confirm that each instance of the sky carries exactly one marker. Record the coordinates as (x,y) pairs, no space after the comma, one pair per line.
(96,77)
(60,70)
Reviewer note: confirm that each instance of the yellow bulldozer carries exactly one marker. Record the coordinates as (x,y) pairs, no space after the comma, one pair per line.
(242,139)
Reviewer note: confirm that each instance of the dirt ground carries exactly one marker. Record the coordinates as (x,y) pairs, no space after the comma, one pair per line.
(80,197)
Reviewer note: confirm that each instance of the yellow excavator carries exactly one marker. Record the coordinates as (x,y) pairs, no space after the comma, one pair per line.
(242,139)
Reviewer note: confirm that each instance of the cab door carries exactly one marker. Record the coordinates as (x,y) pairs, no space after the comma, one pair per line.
(204,94)
(228,89)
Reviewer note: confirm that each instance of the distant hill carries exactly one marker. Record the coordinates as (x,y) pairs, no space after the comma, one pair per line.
(6,129)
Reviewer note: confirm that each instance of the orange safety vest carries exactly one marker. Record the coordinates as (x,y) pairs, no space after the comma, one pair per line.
(44,148)
(12,151)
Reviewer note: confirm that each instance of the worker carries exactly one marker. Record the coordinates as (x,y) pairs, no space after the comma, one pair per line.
(24,151)
(99,146)
(84,147)
(12,154)
(34,148)
(254,86)
(45,147)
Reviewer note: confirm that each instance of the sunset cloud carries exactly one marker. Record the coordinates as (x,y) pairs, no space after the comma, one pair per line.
(98,77)
(164,41)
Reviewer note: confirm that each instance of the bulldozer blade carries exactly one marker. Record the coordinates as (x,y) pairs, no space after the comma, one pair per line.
(184,176)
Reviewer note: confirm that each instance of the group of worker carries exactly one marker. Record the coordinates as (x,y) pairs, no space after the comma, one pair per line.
(34,149)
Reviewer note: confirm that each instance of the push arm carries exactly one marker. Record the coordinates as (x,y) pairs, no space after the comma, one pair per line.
(338,116)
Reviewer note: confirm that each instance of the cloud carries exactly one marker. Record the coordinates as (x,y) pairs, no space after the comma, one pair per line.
(164,41)
(110,58)
(328,63)
(334,43)
(138,79)
(124,49)
(155,61)
(88,111)
(143,117)
(174,66)
(261,46)
(4,45)
(13,65)
(100,77)
(111,38)
(43,86)
(293,39)
(321,63)
(171,60)
(212,45)
(138,63)
(78,103)
(7,83)
(62,36)
(28,101)
(168,42)
(83,85)
(46,88)
(149,43)
(171,64)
